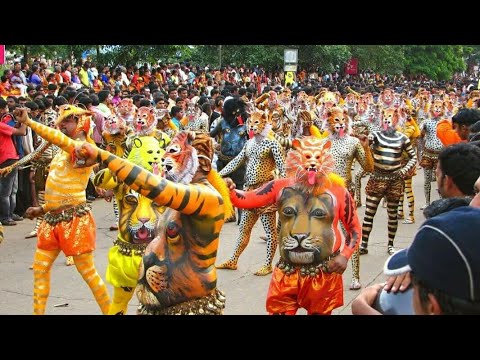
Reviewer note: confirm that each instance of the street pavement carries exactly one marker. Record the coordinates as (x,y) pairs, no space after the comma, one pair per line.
(245,292)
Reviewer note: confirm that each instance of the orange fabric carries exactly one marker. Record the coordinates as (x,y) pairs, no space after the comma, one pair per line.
(318,295)
(447,134)
(74,237)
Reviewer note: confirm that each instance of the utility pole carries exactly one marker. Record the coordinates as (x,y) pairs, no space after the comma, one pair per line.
(220,56)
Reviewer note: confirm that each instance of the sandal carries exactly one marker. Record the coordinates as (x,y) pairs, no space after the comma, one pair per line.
(9,222)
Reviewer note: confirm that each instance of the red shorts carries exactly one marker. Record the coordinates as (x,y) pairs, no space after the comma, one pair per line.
(318,295)
(74,237)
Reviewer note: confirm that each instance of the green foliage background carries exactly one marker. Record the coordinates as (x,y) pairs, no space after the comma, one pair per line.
(438,62)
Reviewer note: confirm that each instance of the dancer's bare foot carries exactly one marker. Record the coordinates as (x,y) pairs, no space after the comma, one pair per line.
(264,270)
(31,234)
(230,265)
(355,284)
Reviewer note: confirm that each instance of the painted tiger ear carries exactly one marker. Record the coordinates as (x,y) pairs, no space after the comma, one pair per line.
(137,142)
(327,145)
(296,144)
(190,136)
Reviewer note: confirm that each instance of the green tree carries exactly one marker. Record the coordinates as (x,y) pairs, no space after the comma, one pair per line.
(132,54)
(472,56)
(327,57)
(388,59)
(268,56)
(27,51)
(438,62)
(49,51)
(324,57)
(107,54)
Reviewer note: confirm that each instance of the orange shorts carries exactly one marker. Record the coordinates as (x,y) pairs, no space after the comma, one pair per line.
(318,295)
(74,237)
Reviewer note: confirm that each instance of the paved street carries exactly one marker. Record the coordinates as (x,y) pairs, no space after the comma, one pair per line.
(245,292)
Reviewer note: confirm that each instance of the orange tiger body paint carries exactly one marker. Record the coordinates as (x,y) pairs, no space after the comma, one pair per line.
(311,202)
(178,265)
(68,224)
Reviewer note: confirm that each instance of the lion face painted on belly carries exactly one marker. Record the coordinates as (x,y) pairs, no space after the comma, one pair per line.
(306,235)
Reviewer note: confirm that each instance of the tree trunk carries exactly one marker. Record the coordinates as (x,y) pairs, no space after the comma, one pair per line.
(219,56)
(25,54)
(98,54)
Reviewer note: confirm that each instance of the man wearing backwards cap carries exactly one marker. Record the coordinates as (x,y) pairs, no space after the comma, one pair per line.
(444,262)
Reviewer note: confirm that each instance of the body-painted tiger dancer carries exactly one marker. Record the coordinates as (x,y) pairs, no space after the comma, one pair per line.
(311,201)
(345,149)
(114,139)
(177,274)
(387,177)
(68,224)
(40,160)
(366,124)
(231,133)
(138,216)
(412,131)
(432,146)
(145,124)
(262,154)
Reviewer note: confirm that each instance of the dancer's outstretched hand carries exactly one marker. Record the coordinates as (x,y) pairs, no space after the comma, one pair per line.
(230,184)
